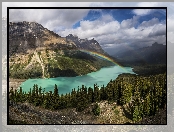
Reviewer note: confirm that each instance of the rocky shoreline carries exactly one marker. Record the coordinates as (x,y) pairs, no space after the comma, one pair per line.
(15,83)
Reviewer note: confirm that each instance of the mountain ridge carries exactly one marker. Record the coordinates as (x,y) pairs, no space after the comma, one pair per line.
(35,51)
(155,54)
(33,35)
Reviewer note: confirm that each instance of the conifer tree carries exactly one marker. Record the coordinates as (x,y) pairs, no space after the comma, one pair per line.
(73,98)
(12,94)
(103,95)
(136,113)
(96,93)
(55,91)
(90,95)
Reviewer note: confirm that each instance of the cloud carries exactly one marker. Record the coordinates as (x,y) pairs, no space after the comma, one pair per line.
(51,19)
(106,30)
(158,30)
(109,32)
(151,22)
(142,12)
(128,23)
(91,29)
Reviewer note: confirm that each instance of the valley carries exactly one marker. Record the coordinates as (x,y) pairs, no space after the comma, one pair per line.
(83,88)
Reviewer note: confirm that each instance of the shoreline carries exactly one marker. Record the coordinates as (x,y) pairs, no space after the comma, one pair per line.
(15,83)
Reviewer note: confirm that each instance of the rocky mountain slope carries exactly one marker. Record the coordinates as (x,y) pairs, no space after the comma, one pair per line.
(91,45)
(35,51)
(25,36)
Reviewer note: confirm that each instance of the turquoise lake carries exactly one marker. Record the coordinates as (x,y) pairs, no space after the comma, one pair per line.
(66,84)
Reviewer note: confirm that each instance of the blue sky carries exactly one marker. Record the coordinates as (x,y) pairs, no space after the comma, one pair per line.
(116,29)
(122,14)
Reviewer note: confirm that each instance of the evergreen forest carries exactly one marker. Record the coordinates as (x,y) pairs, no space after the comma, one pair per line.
(145,95)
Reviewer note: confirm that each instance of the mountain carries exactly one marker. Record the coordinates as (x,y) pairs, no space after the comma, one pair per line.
(35,51)
(149,60)
(27,36)
(24,36)
(155,54)
(86,44)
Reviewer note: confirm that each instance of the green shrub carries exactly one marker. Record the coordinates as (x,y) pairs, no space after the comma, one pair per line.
(116,112)
(96,110)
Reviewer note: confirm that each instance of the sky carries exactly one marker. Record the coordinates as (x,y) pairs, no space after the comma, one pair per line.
(114,29)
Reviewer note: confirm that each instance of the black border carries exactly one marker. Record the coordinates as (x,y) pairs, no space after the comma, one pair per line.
(8,8)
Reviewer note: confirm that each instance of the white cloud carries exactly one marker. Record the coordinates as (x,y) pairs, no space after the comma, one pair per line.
(142,12)
(90,29)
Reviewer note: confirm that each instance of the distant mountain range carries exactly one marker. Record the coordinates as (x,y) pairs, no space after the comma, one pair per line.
(35,51)
(155,54)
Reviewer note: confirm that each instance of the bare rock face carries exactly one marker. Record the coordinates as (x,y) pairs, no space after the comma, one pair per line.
(86,44)
(24,36)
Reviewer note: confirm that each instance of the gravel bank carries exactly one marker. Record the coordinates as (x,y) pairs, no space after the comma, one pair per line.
(15,83)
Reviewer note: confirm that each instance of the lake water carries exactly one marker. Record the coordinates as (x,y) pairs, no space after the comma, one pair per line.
(66,84)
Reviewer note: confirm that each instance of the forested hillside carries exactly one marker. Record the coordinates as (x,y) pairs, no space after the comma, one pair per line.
(138,96)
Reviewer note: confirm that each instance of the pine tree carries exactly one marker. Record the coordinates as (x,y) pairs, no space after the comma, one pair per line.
(56,91)
(103,95)
(127,93)
(37,91)
(46,103)
(90,95)
(33,95)
(73,98)
(96,93)
(136,114)
(20,97)
(109,91)
(12,95)
(81,99)
(40,92)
